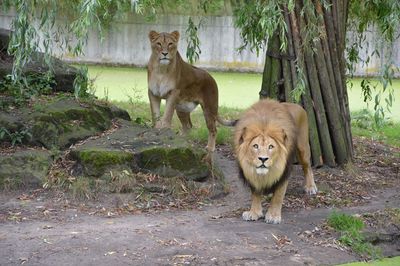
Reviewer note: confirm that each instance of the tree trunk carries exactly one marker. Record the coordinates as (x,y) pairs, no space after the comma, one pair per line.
(325,96)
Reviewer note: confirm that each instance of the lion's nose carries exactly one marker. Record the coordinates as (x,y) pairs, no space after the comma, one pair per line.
(164,54)
(263,159)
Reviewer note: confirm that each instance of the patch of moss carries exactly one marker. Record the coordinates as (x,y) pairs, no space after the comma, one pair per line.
(171,162)
(96,162)
(100,158)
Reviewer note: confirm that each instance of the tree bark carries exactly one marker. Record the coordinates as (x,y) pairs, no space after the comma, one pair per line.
(325,97)
(270,84)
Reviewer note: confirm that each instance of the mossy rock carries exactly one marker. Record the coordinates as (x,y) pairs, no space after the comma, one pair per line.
(97,162)
(24,168)
(61,122)
(64,122)
(61,129)
(171,162)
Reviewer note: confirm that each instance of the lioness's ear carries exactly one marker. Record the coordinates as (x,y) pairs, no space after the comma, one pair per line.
(153,35)
(176,35)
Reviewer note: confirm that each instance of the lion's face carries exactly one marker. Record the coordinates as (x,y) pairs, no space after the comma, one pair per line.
(262,151)
(164,45)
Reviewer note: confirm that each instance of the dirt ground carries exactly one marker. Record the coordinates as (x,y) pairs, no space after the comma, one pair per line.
(41,227)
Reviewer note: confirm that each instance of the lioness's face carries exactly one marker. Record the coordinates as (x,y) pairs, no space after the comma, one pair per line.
(263,151)
(164,45)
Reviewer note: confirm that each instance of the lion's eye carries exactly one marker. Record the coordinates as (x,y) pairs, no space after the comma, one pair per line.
(271,147)
(255,146)
(159,44)
(170,44)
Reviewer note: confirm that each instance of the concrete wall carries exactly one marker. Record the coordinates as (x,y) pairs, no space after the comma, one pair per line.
(127,43)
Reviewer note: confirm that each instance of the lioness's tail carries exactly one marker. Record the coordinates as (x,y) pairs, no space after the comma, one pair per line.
(228,123)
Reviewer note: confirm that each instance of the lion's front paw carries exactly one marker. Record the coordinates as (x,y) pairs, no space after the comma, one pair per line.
(272,218)
(251,216)
(311,190)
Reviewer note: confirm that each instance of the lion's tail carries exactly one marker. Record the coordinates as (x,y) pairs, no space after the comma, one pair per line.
(228,123)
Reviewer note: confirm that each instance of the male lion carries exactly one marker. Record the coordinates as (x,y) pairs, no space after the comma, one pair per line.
(266,139)
(182,85)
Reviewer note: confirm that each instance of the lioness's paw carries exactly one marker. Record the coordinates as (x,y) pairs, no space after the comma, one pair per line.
(208,158)
(271,219)
(162,124)
(251,216)
(311,190)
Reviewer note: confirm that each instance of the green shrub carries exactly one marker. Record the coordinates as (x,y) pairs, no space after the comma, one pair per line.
(16,137)
(30,85)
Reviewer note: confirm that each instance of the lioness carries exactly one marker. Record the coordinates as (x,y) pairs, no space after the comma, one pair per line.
(182,85)
(266,139)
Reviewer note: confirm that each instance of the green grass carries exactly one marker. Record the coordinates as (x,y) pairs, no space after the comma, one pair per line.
(356,98)
(362,124)
(344,222)
(384,262)
(350,228)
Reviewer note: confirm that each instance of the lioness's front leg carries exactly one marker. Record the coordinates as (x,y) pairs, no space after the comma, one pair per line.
(255,212)
(273,215)
(171,101)
(154,107)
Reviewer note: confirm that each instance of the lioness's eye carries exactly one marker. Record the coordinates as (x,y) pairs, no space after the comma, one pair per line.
(255,146)
(271,147)
(170,44)
(159,44)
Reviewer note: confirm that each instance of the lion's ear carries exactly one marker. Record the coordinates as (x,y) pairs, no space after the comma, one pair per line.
(176,35)
(280,136)
(284,136)
(153,35)
(241,136)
